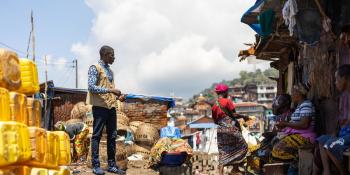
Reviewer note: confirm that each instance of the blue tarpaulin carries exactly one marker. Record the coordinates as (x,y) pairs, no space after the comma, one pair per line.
(170,101)
(255,9)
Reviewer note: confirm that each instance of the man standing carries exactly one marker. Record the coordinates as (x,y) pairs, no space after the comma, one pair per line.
(102,95)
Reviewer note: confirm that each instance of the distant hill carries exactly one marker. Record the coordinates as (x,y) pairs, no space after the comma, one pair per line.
(257,77)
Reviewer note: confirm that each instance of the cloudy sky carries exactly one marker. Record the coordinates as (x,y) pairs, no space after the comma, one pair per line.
(161,46)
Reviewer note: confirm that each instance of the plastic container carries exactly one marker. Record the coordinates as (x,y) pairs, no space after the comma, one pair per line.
(29,77)
(39,171)
(14,170)
(10,75)
(52,153)
(64,170)
(34,112)
(4,104)
(38,140)
(64,154)
(18,106)
(14,143)
(54,172)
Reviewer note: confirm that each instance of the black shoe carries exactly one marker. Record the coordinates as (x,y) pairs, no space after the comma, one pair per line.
(114,169)
(98,171)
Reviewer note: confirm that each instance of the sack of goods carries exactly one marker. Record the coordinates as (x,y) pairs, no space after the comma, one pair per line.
(10,71)
(134,125)
(147,135)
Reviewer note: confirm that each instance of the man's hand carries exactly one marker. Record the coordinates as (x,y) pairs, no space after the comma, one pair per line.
(116,92)
(122,97)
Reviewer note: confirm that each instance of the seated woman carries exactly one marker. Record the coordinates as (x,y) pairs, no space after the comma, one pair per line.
(78,134)
(331,147)
(281,109)
(299,130)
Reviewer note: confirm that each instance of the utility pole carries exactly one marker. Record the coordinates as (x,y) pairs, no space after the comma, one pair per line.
(33,36)
(75,62)
(45,85)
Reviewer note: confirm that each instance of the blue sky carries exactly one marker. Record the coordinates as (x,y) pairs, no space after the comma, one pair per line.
(58,24)
(162,46)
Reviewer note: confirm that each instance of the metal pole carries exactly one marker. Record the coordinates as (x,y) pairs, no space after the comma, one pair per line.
(76,73)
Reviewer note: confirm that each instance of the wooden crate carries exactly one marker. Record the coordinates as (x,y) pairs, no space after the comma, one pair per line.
(276,168)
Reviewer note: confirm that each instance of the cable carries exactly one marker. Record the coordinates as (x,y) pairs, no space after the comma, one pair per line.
(1,43)
(70,71)
(64,77)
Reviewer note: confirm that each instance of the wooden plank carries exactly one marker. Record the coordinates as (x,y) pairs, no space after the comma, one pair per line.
(306,157)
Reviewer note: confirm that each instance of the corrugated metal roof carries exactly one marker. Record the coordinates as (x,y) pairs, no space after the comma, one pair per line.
(203,125)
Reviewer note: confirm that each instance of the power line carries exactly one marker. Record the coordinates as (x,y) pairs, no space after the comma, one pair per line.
(12,48)
(70,71)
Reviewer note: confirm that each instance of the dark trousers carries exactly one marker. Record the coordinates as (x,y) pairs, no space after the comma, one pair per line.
(103,117)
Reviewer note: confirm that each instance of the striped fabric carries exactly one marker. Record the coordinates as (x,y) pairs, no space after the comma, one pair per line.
(305,109)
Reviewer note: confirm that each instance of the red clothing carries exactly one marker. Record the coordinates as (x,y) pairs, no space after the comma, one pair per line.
(217,113)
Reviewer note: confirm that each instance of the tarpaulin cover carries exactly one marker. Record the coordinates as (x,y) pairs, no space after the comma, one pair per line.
(170,101)
(254,9)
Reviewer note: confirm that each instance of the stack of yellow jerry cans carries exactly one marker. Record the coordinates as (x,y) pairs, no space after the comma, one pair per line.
(25,147)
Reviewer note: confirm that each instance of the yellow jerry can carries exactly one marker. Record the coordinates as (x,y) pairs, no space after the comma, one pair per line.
(38,140)
(34,112)
(64,155)
(54,172)
(14,143)
(53,149)
(29,77)
(18,107)
(15,170)
(10,74)
(4,104)
(64,170)
(39,171)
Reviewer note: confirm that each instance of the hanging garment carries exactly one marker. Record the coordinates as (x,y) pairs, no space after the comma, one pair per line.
(289,12)
(266,19)
(308,22)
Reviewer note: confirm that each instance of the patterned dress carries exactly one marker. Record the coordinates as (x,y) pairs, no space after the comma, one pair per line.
(286,149)
(231,144)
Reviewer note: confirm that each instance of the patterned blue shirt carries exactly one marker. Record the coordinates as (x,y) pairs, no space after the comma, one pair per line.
(93,76)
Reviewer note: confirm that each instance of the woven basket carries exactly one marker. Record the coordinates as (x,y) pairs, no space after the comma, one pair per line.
(129,149)
(134,125)
(146,134)
(120,106)
(142,151)
(121,155)
(79,111)
(122,118)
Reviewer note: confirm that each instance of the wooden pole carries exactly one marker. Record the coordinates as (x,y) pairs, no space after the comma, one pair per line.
(76,73)
(33,36)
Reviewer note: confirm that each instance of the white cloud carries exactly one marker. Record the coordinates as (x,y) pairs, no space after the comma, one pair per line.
(165,46)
